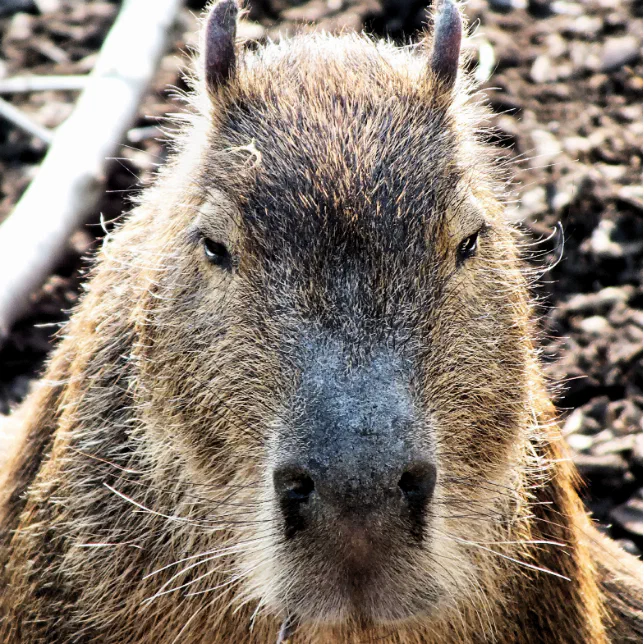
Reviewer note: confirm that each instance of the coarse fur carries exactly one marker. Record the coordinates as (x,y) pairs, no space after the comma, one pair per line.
(138,504)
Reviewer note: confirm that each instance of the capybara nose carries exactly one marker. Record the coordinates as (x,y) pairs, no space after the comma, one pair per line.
(360,493)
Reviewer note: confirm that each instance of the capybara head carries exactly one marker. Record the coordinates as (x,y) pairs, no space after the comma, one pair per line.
(333,326)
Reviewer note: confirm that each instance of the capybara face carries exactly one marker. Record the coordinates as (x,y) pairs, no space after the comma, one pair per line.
(334,333)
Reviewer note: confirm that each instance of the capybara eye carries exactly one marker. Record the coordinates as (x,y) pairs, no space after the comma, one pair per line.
(467,248)
(216,253)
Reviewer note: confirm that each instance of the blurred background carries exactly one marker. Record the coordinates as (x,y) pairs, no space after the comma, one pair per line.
(564,80)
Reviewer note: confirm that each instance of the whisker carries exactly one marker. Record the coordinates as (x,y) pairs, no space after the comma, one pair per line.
(512,559)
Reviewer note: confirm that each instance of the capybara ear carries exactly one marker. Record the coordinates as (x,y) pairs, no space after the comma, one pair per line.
(446,50)
(219,44)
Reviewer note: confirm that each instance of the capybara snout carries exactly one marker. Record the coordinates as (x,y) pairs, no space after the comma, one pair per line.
(353,449)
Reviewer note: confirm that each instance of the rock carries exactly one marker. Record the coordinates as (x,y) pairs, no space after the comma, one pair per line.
(583,424)
(632,195)
(629,546)
(507,5)
(599,302)
(605,467)
(565,8)
(546,146)
(626,234)
(624,416)
(629,515)
(622,315)
(624,354)
(574,145)
(48,6)
(21,28)
(620,408)
(601,243)
(596,408)
(507,125)
(608,170)
(567,190)
(604,436)
(585,56)
(579,442)
(618,52)
(487,62)
(249,30)
(636,456)
(555,45)
(585,26)
(533,202)
(629,113)
(574,423)
(633,333)
(613,445)
(310,12)
(9,7)
(542,70)
(595,325)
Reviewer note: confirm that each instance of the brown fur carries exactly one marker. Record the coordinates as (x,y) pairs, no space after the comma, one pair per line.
(146,441)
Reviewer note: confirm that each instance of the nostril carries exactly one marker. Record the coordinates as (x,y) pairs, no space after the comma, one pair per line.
(300,489)
(417,483)
(293,484)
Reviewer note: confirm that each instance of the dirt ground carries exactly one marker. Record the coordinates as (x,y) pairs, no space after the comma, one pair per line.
(566,91)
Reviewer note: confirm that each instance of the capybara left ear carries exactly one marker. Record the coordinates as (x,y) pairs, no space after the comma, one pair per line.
(219,44)
(446,50)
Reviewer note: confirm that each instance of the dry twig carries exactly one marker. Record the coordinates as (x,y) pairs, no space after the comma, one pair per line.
(24,122)
(24,84)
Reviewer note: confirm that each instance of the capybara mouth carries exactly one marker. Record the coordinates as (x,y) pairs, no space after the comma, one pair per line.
(367,601)
(357,576)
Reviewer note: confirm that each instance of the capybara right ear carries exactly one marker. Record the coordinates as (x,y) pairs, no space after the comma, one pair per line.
(218,53)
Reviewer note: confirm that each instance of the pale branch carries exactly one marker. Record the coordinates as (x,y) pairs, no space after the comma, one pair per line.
(25,84)
(68,183)
(18,118)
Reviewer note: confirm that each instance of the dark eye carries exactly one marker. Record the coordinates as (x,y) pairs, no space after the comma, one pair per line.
(467,248)
(216,253)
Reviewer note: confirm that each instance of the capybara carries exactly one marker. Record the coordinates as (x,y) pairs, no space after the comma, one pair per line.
(301,398)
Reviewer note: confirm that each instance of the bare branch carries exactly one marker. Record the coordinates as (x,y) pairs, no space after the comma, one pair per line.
(24,122)
(24,84)
(69,180)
